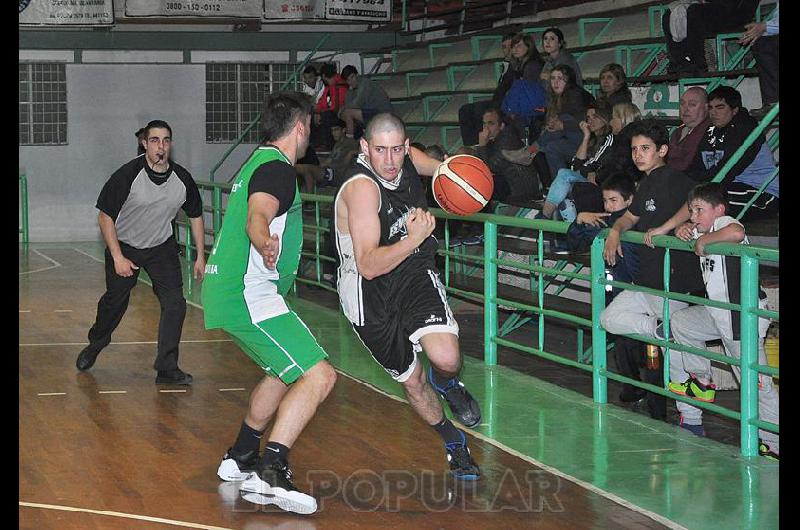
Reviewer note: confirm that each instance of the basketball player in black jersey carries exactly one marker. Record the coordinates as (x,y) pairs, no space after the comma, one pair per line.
(389,286)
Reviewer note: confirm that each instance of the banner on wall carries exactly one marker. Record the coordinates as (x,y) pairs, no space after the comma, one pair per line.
(294,9)
(66,12)
(367,10)
(194,8)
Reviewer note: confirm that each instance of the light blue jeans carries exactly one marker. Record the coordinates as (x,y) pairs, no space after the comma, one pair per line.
(562,184)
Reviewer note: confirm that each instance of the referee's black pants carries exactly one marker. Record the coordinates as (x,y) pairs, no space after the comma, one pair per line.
(163,266)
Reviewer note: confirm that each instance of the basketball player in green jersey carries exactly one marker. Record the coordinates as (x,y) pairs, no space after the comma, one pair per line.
(252,266)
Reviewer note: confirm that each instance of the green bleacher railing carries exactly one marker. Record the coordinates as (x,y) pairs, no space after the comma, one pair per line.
(488,295)
(23,205)
(750,257)
(256,120)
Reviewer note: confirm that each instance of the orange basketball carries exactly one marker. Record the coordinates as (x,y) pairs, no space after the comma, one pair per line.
(462,184)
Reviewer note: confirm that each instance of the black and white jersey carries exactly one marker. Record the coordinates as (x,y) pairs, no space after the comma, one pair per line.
(143,203)
(362,300)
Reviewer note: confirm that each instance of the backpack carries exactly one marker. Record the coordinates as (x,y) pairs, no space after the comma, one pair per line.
(525,99)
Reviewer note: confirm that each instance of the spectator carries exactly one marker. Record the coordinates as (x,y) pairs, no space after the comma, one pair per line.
(687,24)
(566,108)
(328,171)
(512,182)
(614,85)
(660,194)
(527,66)
(312,83)
(555,54)
(328,107)
(730,126)
(470,115)
(694,121)
(587,196)
(763,38)
(694,325)
(365,99)
(617,197)
(597,142)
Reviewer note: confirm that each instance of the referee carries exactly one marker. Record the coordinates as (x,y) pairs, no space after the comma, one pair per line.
(137,206)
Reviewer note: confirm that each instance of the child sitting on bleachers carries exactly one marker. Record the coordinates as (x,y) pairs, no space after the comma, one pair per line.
(694,325)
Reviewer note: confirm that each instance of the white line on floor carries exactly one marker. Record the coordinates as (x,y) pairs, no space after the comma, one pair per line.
(51,394)
(53,266)
(123,515)
(172,391)
(591,487)
(24,310)
(62,311)
(230,389)
(122,343)
(112,391)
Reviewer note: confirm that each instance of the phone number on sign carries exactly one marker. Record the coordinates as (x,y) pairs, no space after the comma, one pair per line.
(189,6)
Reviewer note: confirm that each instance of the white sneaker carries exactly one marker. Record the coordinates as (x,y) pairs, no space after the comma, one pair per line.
(274,486)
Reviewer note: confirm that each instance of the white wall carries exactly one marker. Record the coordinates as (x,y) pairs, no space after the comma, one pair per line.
(106,105)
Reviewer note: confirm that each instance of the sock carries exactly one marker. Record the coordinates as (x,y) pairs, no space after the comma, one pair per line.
(448,431)
(249,440)
(438,379)
(274,452)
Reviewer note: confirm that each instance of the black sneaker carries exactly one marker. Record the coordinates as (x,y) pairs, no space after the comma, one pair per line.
(462,404)
(173,377)
(86,358)
(631,394)
(235,468)
(273,485)
(462,466)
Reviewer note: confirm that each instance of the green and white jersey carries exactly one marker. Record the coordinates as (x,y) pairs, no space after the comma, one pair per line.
(238,287)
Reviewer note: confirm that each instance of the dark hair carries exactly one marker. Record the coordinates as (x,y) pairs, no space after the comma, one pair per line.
(348,70)
(621,183)
(310,69)
(281,111)
(558,33)
(339,123)
(497,110)
(327,70)
(435,151)
(618,72)
(728,94)
(418,145)
(568,72)
(650,128)
(711,192)
(533,53)
(155,124)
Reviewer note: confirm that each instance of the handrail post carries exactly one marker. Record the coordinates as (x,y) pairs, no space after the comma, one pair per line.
(490,292)
(749,356)
(23,186)
(599,360)
(216,207)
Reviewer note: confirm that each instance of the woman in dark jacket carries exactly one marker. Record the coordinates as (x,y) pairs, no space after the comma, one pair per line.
(614,85)
(566,108)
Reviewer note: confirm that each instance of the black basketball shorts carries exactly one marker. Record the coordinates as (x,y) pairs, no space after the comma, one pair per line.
(418,307)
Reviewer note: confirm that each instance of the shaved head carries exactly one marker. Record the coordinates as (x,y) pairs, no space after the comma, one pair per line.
(385,122)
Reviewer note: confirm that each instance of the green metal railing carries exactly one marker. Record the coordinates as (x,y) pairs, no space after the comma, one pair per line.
(750,257)
(23,206)
(488,294)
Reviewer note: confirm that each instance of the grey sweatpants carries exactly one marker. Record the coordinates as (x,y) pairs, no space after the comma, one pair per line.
(636,312)
(694,326)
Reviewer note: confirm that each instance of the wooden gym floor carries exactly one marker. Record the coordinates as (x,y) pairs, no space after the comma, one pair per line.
(110,449)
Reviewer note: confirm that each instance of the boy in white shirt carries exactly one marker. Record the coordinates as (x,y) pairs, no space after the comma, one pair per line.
(697,324)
